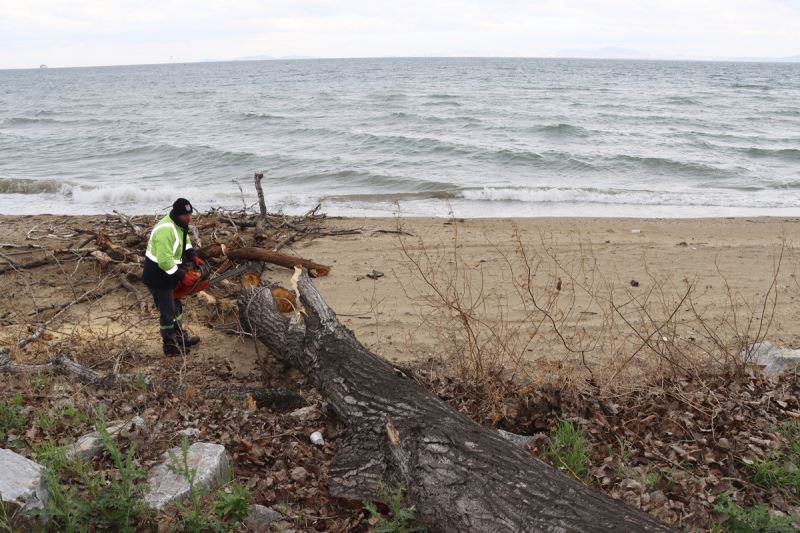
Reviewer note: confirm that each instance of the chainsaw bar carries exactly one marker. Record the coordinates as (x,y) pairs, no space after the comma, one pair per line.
(241,269)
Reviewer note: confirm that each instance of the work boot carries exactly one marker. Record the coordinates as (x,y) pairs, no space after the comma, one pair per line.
(183,337)
(171,347)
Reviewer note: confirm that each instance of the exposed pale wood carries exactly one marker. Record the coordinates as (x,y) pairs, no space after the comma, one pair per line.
(459,475)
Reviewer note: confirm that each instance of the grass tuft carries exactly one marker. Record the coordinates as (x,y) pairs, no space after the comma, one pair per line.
(567,449)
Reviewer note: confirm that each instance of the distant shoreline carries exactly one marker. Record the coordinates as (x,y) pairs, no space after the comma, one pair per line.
(792,60)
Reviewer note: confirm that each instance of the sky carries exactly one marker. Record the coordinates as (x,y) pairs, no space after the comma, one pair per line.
(66,33)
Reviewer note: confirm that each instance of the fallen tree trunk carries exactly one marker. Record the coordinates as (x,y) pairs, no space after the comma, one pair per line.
(459,475)
(265,256)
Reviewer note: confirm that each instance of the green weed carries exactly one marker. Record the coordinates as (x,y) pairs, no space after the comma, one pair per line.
(782,468)
(225,513)
(755,519)
(11,417)
(401,518)
(106,500)
(567,449)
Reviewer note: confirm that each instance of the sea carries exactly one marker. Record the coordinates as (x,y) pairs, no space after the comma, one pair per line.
(464,137)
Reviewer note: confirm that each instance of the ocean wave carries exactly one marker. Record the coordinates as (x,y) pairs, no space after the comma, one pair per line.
(30,186)
(664,165)
(642,197)
(785,154)
(562,130)
(187,156)
(507,155)
(682,100)
(260,116)
(43,119)
(24,121)
(442,103)
(375,182)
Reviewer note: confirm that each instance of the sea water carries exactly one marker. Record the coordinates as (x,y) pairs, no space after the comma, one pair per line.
(473,137)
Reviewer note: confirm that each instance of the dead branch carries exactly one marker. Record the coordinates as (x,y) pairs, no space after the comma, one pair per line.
(265,256)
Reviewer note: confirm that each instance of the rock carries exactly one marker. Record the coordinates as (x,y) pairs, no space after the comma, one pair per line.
(298,474)
(774,359)
(210,461)
(520,440)
(90,444)
(306,413)
(21,482)
(261,518)
(658,498)
(189,432)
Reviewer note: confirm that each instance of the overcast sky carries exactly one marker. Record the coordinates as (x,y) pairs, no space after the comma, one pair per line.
(113,32)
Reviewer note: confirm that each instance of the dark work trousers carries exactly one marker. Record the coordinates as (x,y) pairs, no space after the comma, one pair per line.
(170,311)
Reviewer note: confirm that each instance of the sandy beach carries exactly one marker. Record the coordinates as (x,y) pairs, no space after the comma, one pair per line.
(722,258)
(608,309)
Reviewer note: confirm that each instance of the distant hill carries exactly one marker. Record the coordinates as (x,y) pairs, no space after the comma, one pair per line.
(260,57)
(789,59)
(603,53)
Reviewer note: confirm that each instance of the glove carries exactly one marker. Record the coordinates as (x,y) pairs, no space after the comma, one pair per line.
(178,275)
(190,278)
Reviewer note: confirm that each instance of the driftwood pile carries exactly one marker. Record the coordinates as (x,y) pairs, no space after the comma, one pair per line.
(116,243)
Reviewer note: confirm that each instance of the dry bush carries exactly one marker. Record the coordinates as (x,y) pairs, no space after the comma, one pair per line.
(550,313)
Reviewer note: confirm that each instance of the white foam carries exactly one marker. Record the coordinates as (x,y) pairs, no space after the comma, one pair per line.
(689,197)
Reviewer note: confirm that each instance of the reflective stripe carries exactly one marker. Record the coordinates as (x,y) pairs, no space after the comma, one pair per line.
(171,226)
(154,259)
(171,326)
(172,270)
(188,245)
(178,318)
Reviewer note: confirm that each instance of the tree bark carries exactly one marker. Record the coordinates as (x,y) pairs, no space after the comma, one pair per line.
(266,256)
(459,475)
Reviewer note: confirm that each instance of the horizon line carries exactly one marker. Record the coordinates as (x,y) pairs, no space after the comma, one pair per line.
(244,59)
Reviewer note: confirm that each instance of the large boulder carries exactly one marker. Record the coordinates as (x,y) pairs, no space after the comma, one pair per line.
(774,359)
(209,461)
(21,482)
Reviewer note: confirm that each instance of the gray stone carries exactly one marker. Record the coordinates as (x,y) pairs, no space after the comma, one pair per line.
(89,445)
(21,481)
(520,440)
(210,461)
(306,413)
(298,473)
(774,359)
(261,518)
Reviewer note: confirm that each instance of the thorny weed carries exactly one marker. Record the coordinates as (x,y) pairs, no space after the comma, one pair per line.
(552,307)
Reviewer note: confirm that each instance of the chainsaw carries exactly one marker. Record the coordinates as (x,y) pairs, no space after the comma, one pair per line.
(203,280)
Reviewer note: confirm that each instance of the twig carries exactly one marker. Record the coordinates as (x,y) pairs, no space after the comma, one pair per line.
(61,310)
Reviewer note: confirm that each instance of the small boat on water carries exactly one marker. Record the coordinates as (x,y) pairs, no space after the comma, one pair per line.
(42,66)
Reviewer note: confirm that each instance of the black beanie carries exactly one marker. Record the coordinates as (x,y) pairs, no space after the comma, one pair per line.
(181,206)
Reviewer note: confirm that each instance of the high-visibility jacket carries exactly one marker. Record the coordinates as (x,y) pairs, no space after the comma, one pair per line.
(166,245)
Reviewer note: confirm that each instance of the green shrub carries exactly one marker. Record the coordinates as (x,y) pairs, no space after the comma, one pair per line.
(401,518)
(755,519)
(106,501)
(782,468)
(10,417)
(568,449)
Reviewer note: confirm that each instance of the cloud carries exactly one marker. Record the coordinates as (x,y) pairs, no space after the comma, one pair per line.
(91,32)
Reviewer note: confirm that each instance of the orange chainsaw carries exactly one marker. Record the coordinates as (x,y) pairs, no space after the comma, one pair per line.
(198,280)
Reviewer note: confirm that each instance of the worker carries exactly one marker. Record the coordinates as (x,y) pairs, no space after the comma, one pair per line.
(168,251)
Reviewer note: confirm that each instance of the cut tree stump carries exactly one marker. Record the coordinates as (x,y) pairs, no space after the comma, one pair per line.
(459,475)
